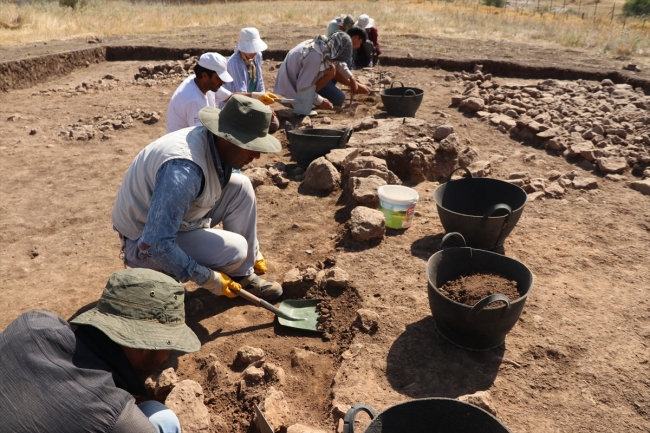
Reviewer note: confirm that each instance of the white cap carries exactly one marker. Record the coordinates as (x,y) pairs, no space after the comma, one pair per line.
(217,63)
(250,41)
(365,22)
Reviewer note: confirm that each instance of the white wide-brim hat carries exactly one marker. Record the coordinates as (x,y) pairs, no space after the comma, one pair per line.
(250,41)
(365,22)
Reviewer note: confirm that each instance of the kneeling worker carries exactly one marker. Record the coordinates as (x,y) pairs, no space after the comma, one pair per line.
(54,379)
(181,186)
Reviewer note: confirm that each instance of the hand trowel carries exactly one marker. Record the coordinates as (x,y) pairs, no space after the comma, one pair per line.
(303,101)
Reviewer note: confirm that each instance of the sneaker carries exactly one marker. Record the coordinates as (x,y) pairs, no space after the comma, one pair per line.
(258,286)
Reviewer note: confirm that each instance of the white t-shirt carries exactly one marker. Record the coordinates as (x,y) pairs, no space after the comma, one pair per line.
(186,102)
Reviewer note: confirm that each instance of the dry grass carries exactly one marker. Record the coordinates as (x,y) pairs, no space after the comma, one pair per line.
(461,19)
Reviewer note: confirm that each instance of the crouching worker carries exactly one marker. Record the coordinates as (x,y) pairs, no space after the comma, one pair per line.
(54,379)
(181,186)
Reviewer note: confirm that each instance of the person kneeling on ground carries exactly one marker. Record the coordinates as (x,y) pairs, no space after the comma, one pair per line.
(181,186)
(370,51)
(317,61)
(340,24)
(245,67)
(57,380)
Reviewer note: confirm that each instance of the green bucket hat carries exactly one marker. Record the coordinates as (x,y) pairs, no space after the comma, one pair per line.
(142,309)
(244,122)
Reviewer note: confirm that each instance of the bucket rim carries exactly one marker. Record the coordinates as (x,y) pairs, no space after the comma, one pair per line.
(477,216)
(522,298)
(404,202)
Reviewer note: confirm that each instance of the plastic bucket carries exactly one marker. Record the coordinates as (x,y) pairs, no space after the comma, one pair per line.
(397,203)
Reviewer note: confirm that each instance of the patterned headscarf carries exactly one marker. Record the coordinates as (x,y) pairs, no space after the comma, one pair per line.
(337,48)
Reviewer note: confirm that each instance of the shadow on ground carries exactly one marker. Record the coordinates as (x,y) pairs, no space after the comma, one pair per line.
(421,363)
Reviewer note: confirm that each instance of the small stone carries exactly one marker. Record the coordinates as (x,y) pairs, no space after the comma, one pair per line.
(442,132)
(337,278)
(615,177)
(32,132)
(367,320)
(253,373)
(364,190)
(643,186)
(154,118)
(301,428)
(217,371)
(367,224)
(322,176)
(341,157)
(186,401)
(554,190)
(276,409)
(473,104)
(521,175)
(292,278)
(534,195)
(305,122)
(248,354)
(612,165)
(165,383)
(479,399)
(274,373)
(480,168)
(326,120)
(339,410)
(258,176)
(585,183)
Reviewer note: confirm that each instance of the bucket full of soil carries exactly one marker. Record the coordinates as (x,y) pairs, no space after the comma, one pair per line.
(401,101)
(426,415)
(483,210)
(476,296)
(308,144)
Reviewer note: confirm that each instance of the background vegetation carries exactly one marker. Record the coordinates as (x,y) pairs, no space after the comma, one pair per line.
(600,26)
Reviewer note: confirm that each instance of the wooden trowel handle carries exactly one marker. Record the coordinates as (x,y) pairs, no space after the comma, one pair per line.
(262,303)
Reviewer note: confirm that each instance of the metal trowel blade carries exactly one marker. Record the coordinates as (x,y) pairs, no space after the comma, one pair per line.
(262,423)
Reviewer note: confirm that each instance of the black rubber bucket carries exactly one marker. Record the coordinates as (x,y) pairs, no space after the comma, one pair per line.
(477,327)
(483,210)
(427,415)
(402,101)
(308,144)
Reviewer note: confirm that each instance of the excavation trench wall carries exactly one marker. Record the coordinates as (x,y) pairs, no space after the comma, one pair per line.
(29,72)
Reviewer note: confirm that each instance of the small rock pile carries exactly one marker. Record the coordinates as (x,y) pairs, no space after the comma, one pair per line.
(87,129)
(151,74)
(604,126)
(108,83)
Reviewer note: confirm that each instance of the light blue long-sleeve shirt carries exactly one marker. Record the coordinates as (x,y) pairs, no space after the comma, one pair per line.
(240,77)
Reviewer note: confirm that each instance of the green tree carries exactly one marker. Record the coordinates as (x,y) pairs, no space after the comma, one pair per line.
(636,7)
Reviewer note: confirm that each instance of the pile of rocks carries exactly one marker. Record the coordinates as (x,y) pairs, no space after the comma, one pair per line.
(603,126)
(87,129)
(108,83)
(177,70)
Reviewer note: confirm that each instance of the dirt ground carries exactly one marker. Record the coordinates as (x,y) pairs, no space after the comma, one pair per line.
(576,361)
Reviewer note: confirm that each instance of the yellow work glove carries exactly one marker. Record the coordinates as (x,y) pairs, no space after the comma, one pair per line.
(266,98)
(222,285)
(260,267)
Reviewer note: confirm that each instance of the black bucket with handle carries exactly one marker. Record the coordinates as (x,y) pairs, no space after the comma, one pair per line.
(307,145)
(401,101)
(427,415)
(477,327)
(483,210)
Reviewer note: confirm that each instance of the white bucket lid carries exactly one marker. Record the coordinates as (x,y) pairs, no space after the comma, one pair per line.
(398,194)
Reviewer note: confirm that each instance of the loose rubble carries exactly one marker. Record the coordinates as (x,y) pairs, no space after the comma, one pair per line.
(186,401)
(603,126)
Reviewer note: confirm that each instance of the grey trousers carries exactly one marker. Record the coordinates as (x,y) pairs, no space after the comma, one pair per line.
(232,250)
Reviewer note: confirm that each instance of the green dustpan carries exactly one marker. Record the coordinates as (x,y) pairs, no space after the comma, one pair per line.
(304,309)
(299,314)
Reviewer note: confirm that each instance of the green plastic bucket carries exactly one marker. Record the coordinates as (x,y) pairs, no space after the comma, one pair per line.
(397,203)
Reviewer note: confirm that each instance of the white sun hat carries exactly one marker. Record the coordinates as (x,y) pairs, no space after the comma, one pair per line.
(217,63)
(365,22)
(250,41)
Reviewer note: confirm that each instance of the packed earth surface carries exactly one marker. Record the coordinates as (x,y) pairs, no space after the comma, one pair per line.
(576,361)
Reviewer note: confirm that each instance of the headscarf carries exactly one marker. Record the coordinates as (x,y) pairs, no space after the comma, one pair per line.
(337,48)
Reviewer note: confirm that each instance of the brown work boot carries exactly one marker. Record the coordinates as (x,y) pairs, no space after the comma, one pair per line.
(260,287)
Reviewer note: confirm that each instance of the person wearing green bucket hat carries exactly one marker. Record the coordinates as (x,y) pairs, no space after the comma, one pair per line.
(54,379)
(179,187)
